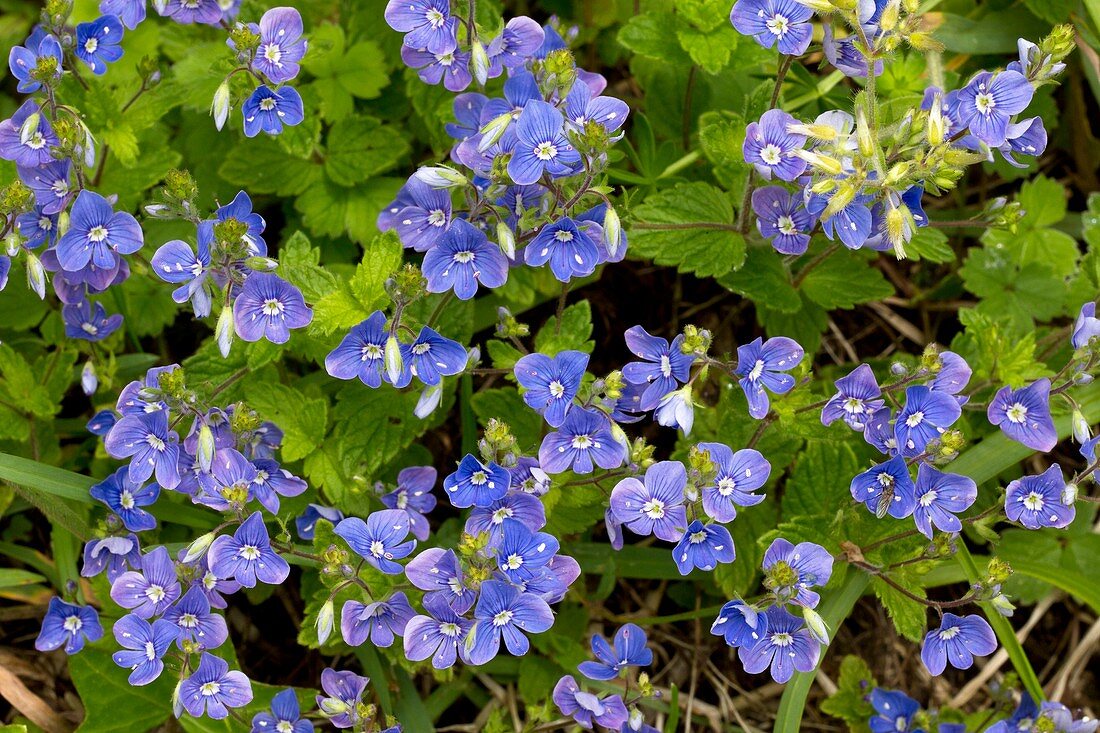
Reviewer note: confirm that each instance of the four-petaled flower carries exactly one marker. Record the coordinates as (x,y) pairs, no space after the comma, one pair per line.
(440,635)
(81,322)
(521,553)
(584,439)
(144,645)
(786,645)
(461,258)
(475,484)
(791,570)
(426,24)
(737,476)
(380,540)
(782,23)
(782,218)
(268,307)
(926,415)
(957,641)
(439,572)
(99,42)
(281,45)
(345,693)
(213,689)
(1036,501)
(430,358)
(988,102)
(761,364)
(68,625)
(586,709)
(285,716)
(858,397)
(195,622)
(247,556)
(380,621)
(97,235)
(886,489)
(770,147)
(703,546)
(1024,415)
(655,507)
(503,610)
(361,353)
(629,650)
(551,383)
(663,367)
(939,497)
(740,624)
(567,246)
(541,145)
(126,497)
(150,592)
(268,110)
(24,61)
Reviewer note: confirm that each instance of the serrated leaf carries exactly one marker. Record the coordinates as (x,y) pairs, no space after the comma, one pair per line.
(303,419)
(849,702)
(689,226)
(360,147)
(574,333)
(845,280)
(764,279)
(930,244)
(648,34)
(299,263)
(354,299)
(711,49)
(907,614)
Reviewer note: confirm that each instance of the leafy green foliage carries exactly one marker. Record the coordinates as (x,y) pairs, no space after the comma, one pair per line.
(849,702)
(691,227)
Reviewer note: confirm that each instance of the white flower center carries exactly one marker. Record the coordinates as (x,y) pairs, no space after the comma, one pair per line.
(249,552)
(437,217)
(377,548)
(155,593)
(915,419)
(421,349)
(854,406)
(785,225)
(771,154)
(503,618)
(91,45)
(478,478)
(757,370)
(1017,413)
(546,151)
(209,689)
(464,257)
(73,624)
(150,651)
(371,352)
(284,726)
(188,620)
(654,509)
(97,234)
(155,442)
(984,102)
(1034,501)
(779,25)
(273,53)
(726,485)
(782,639)
(435,18)
(928,498)
(272,307)
(563,235)
(267,104)
(450,629)
(949,634)
(582,442)
(557,389)
(697,537)
(126,500)
(501,514)
(513,562)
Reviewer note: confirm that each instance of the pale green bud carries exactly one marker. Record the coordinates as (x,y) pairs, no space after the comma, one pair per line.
(393,359)
(199,547)
(816,625)
(324,621)
(36,275)
(493,131)
(223,331)
(612,230)
(506,238)
(479,60)
(219,107)
(440,176)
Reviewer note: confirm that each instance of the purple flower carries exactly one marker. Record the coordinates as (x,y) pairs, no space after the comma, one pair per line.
(271,482)
(126,498)
(144,644)
(451,67)
(441,636)
(791,570)
(81,323)
(268,307)
(130,12)
(879,431)
(521,552)
(939,497)
(568,248)
(380,540)
(740,624)
(24,60)
(113,554)
(926,415)
(176,262)
(1027,137)
(786,646)
(957,641)
(843,54)
(895,711)
(240,210)
(414,497)
(886,489)
(1086,326)
(782,219)
(195,622)
(953,374)
(703,546)
(97,234)
(988,102)
(675,410)
(551,383)
(150,592)
(285,716)
(269,110)
(462,258)
(737,476)
(33,150)
(467,111)
(379,620)
(552,581)
(431,357)
(151,447)
(306,523)
(521,507)
(528,477)
(247,556)
(541,145)
(630,650)
(345,693)
(585,708)
(502,610)
(761,364)
(584,438)
(1024,415)
(475,484)
(770,147)
(361,353)
(439,572)
(37,228)
(68,625)
(655,507)
(663,367)
(582,106)
(518,41)
(1036,501)
(782,23)
(99,42)
(213,689)
(857,398)
(229,482)
(281,45)
(426,217)
(207,12)
(853,224)
(519,89)
(426,24)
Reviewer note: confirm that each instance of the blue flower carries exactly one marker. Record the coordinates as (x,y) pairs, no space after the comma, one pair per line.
(113,554)
(676,410)
(271,482)
(584,439)
(102,422)
(206,12)
(1036,501)
(306,523)
(812,565)
(231,475)
(32,150)
(431,357)
(152,591)
(51,185)
(541,145)
(440,635)
(740,624)
(5,267)
(195,622)
(521,507)
(1086,326)
(37,228)
(380,540)
(81,323)
(586,709)
(467,112)
(424,217)
(886,489)
(737,476)
(361,353)
(952,376)
(281,45)
(176,262)
(926,415)
(247,556)
(939,497)
(786,645)
(380,621)
(144,645)
(879,431)
(782,219)
(130,12)
(68,625)
(99,42)
(97,234)
(895,711)
(663,367)
(125,498)
(770,147)
(853,224)
(24,60)
(703,546)
(551,383)
(521,552)
(285,716)
(517,42)
(427,24)
(502,610)
(345,696)
(450,67)
(761,364)
(988,102)
(582,106)
(213,689)
(630,650)
(957,641)
(858,397)
(414,497)
(439,572)
(656,506)
(268,307)
(240,210)
(1027,137)
(567,246)
(150,445)
(1024,415)
(462,258)
(269,110)
(475,484)
(782,23)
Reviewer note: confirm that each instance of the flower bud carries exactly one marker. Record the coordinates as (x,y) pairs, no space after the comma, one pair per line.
(1081,431)
(429,400)
(1002,604)
(12,243)
(199,547)
(824,163)
(219,107)
(507,240)
(816,625)
(89,381)
(177,701)
(896,230)
(36,275)
(394,362)
(864,139)
(493,131)
(612,230)
(440,176)
(1069,494)
(29,127)
(1082,378)
(223,332)
(479,61)
(261,264)
(333,706)
(888,20)
(324,621)
(205,454)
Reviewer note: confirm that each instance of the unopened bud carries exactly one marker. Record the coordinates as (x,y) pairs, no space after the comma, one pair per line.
(394,362)
(507,240)
(205,454)
(199,547)
(36,275)
(219,107)
(826,133)
(29,127)
(324,621)
(429,400)
(440,176)
(823,163)
(479,60)
(612,230)
(1081,431)
(937,124)
(493,131)
(261,264)
(888,20)
(864,139)
(89,381)
(816,625)
(1069,494)
(223,332)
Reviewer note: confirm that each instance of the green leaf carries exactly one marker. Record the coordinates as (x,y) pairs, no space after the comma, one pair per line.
(721,138)
(342,74)
(110,704)
(20,385)
(360,147)
(930,244)
(574,332)
(355,299)
(710,50)
(844,280)
(648,34)
(908,615)
(14,578)
(299,263)
(764,279)
(303,419)
(689,226)
(506,405)
(294,175)
(1044,201)
(849,702)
